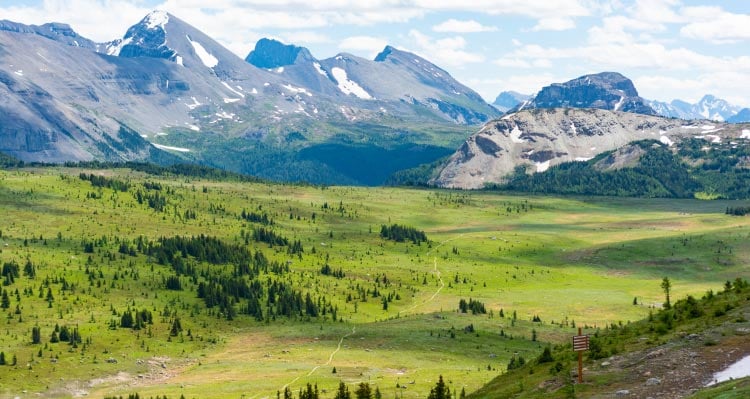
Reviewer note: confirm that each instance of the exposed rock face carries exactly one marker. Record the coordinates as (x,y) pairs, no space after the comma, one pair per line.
(606,90)
(271,53)
(540,138)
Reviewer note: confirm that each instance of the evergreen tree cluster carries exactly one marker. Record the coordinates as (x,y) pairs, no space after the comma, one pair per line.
(11,271)
(268,236)
(105,182)
(475,307)
(136,319)
(738,210)
(327,270)
(400,233)
(255,217)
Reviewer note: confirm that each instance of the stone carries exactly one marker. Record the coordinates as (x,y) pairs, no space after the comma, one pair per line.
(621,393)
(653,381)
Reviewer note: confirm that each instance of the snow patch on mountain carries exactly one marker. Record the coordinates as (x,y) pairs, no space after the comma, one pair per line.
(666,140)
(206,58)
(232,90)
(156,19)
(348,86)
(166,147)
(116,46)
(194,104)
(320,69)
(515,135)
(297,90)
(619,103)
(542,166)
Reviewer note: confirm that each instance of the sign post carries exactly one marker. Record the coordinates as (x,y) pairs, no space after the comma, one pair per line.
(580,344)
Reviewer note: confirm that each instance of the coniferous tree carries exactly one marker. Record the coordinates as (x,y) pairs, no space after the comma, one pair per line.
(343,392)
(363,391)
(36,335)
(440,391)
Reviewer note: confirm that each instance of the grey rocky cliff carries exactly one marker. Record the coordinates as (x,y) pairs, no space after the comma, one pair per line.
(607,90)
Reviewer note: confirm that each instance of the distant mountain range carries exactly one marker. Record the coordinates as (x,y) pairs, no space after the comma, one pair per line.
(167,91)
(709,107)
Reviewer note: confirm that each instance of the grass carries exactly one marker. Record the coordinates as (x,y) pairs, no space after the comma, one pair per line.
(570,261)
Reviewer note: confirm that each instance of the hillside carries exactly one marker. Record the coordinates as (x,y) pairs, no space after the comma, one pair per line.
(187,281)
(674,353)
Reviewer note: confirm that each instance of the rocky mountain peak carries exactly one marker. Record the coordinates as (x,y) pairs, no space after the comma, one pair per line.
(147,38)
(607,90)
(271,53)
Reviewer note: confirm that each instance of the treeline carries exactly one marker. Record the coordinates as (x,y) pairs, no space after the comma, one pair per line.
(400,233)
(178,169)
(738,210)
(105,182)
(659,173)
(715,170)
(7,161)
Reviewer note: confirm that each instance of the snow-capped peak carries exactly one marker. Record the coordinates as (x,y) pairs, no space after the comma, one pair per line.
(156,19)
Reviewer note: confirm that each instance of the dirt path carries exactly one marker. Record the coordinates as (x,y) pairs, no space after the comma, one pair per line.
(437,272)
(314,369)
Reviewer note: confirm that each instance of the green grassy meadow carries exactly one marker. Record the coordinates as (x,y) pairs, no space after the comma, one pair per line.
(570,261)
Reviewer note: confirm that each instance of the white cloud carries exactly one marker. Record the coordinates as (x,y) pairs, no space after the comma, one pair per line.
(456,26)
(716,26)
(448,51)
(371,45)
(555,24)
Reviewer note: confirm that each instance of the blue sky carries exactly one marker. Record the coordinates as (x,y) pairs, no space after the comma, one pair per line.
(669,48)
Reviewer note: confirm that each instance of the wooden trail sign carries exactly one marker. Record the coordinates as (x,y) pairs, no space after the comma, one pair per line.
(580,344)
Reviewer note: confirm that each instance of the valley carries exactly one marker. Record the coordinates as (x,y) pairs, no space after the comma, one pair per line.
(164,280)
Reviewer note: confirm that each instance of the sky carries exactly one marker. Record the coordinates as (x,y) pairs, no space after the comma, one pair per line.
(671,49)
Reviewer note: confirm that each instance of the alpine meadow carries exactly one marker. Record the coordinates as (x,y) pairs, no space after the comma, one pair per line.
(254,199)
(158,282)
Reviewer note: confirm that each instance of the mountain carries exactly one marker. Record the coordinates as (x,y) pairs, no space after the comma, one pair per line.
(166,86)
(537,139)
(709,107)
(395,82)
(607,90)
(743,116)
(509,99)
